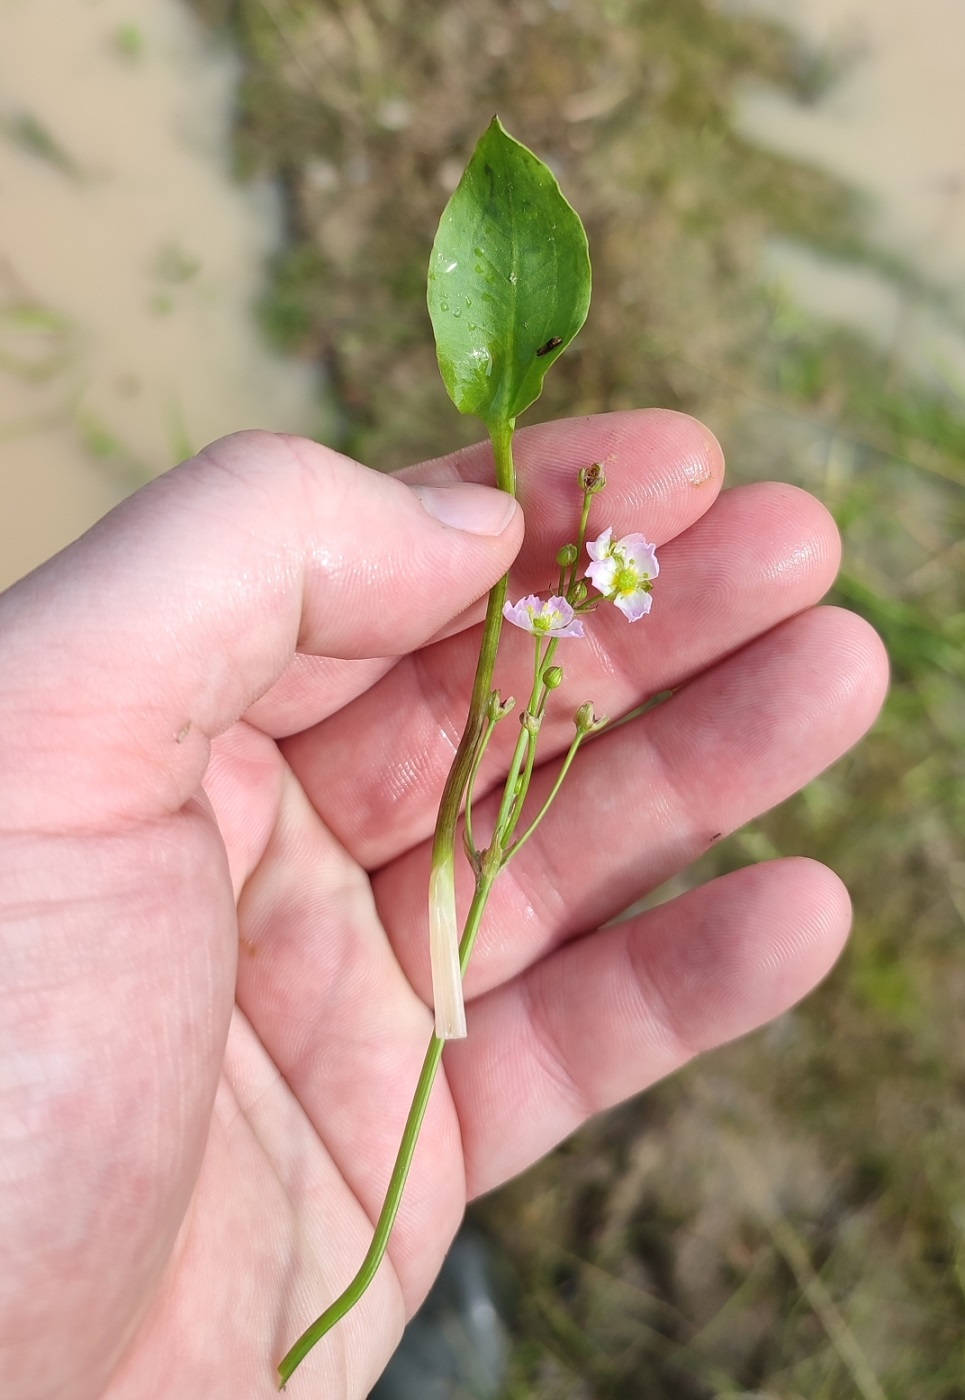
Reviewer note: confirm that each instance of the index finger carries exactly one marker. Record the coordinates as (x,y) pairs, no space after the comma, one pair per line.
(375,770)
(664,470)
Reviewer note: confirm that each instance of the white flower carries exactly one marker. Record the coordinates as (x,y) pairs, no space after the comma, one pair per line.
(623,571)
(554,618)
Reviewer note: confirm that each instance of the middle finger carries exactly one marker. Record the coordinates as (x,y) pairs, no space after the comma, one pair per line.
(375,773)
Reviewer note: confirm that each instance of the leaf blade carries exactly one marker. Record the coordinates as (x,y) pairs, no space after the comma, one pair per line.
(509,280)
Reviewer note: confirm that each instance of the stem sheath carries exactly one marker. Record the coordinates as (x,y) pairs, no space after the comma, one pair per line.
(393,1196)
(447,987)
(450,970)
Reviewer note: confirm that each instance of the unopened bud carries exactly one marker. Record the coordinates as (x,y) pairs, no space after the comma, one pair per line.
(586,720)
(592,479)
(578,593)
(552,677)
(530,723)
(566,556)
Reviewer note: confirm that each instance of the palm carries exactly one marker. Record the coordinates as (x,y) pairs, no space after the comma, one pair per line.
(302,1017)
(322,1051)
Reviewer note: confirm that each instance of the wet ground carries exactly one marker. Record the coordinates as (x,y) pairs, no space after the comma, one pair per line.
(892,126)
(129,259)
(129,263)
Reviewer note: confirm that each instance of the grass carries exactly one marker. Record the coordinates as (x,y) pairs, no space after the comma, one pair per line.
(786,1218)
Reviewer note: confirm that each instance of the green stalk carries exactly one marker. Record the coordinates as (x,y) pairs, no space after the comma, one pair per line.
(450,1018)
(564,769)
(443,854)
(508,817)
(443,843)
(468,839)
(410,1137)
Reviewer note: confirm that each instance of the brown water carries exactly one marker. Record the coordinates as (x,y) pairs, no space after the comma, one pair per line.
(893,126)
(129,260)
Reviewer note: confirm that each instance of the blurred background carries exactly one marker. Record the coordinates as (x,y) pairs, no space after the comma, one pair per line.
(217,214)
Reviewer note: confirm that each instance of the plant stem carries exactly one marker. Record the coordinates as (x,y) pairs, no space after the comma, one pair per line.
(393,1196)
(469,840)
(446,990)
(564,769)
(508,818)
(443,853)
(454,790)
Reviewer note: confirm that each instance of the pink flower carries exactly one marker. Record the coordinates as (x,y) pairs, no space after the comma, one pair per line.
(554,618)
(623,571)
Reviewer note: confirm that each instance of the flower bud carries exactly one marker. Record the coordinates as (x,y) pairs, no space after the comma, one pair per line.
(578,593)
(592,479)
(552,677)
(566,556)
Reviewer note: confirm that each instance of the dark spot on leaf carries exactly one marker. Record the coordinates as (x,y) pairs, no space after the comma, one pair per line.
(551,344)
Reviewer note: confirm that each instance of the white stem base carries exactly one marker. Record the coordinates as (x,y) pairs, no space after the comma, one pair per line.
(444,955)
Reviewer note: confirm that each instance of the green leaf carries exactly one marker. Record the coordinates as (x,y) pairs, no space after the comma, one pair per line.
(509,280)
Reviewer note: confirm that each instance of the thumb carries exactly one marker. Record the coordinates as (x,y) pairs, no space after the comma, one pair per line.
(163,624)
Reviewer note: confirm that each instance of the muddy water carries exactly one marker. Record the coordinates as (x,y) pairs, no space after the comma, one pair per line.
(129,261)
(894,126)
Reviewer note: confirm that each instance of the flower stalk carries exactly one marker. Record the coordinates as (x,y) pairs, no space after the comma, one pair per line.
(490,255)
(622,570)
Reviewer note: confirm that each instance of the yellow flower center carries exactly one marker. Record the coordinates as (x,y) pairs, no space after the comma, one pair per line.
(627,580)
(545,622)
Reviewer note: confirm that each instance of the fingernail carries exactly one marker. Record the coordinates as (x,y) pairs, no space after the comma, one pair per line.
(482,510)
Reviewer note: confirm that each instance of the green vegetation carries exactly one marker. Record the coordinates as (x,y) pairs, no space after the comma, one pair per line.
(35,340)
(28,132)
(787,1218)
(129,42)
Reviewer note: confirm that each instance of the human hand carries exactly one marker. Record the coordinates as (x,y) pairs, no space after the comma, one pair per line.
(215,829)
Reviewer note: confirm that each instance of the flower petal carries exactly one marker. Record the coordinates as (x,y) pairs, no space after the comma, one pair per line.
(634,605)
(521,614)
(601,574)
(553,618)
(640,553)
(601,546)
(622,570)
